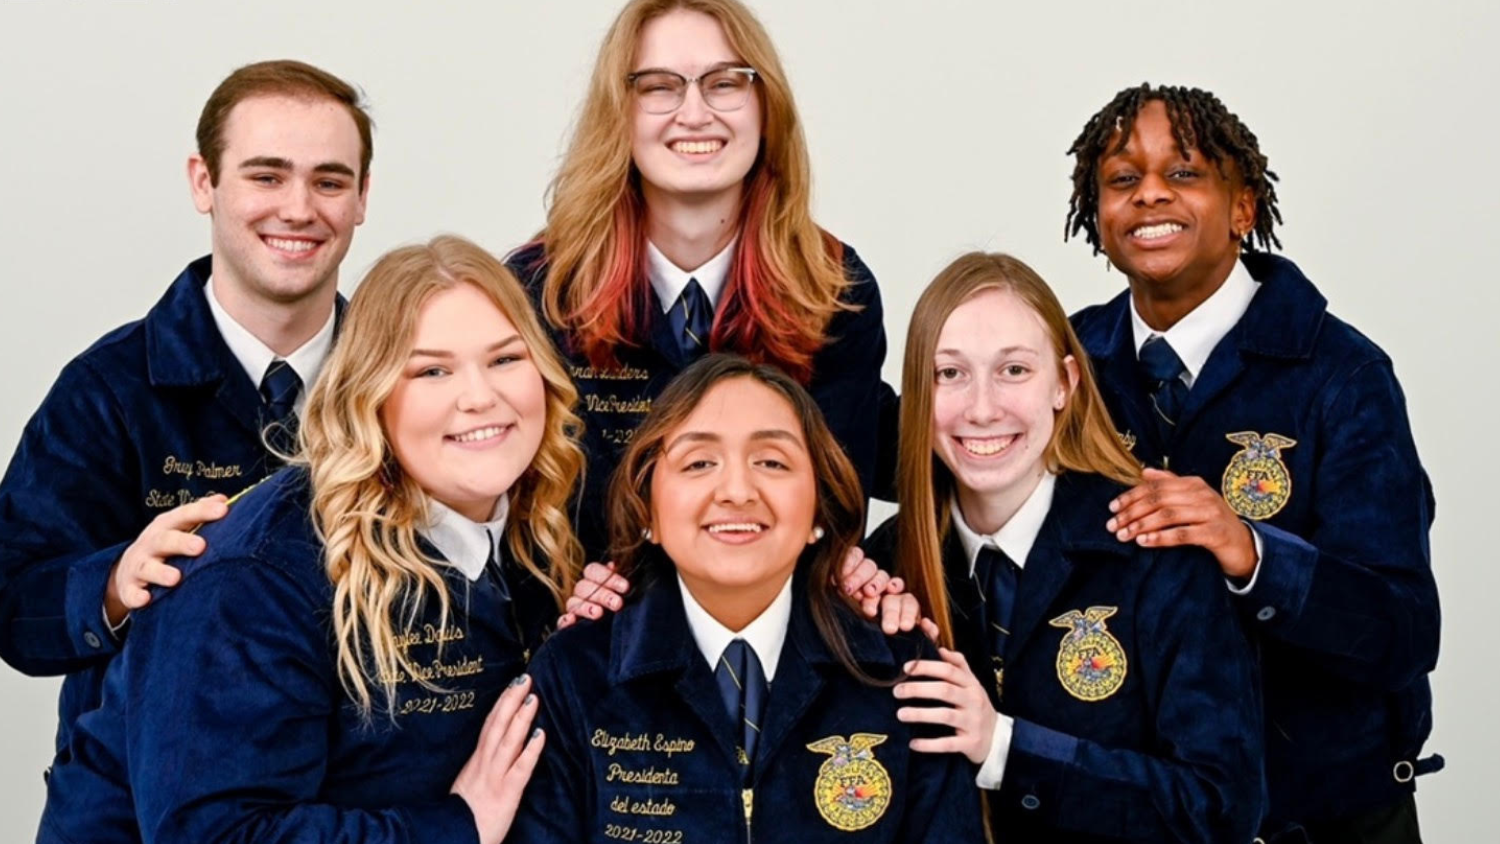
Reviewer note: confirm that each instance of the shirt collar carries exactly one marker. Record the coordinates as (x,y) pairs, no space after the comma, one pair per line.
(765,635)
(669,280)
(1194,336)
(255,356)
(465,544)
(1016,536)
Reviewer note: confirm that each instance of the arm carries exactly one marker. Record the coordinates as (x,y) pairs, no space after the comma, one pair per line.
(846,382)
(558,801)
(1201,780)
(68,510)
(230,696)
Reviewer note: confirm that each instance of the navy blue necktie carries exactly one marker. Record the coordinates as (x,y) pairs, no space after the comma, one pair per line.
(1163,370)
(692,317)
(493,565)
(279,388)
(999,580)
(742,685)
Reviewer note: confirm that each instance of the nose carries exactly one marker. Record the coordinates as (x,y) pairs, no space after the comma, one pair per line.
(297,204)
(1152,190)
(984,402)
(736,486)
(476,394)
(694,110)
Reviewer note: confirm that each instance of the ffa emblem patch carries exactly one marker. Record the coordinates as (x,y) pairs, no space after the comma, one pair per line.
(853,790)
(1256,483)
(1090,662)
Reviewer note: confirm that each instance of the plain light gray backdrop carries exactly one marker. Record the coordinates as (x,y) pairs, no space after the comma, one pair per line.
(935,128)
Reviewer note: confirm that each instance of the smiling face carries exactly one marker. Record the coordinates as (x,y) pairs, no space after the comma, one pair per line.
(288,196)
(1171,222)
(468,413)
(997,388)
(733,495)
(694,153)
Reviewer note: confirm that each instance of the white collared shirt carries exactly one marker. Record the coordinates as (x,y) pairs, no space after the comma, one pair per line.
(669,280)
(256,357)
(1015,538)
(765,635)
(465,544)
(1194,336)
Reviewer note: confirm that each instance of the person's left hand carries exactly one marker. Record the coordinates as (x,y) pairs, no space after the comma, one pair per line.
(599,591)
(1167,510)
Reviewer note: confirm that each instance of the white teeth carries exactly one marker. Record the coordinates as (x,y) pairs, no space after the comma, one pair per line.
(744,527)
(1158,230)
(987,447)
(290,245)
(481,434)
(697,147)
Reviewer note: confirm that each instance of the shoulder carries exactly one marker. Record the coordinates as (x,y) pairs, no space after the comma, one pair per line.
(582,648)
(268,534)
(529,262)
(1094,323)
(862,288)
(880,545)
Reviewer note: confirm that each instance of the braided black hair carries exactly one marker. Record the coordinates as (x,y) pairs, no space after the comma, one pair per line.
(1200,121)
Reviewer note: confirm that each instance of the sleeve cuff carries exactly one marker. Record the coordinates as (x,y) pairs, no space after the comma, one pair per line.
(1254,573)
(992,772)
(449,819)
(116,631)
(88,578)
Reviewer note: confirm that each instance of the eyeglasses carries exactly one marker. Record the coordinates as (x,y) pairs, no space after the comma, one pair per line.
(662,91)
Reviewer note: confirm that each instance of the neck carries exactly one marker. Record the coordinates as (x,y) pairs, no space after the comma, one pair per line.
(689,231)
(284,326)
(988,512)
(735,606)
(1164,304)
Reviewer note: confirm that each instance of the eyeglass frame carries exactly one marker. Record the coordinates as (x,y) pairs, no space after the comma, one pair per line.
(752,73)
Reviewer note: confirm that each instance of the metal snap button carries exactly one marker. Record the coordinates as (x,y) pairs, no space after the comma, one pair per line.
(1030,801)
(1266,613)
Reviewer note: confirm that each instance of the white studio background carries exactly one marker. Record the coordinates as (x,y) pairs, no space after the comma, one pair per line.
(935,128)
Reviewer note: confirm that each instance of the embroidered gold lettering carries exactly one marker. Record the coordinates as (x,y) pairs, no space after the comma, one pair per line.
(641,776)
(604,740)
(614,404)
(623,373)
(670,746)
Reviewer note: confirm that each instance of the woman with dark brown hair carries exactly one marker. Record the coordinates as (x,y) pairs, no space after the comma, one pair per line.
(1118,699)
(736,681)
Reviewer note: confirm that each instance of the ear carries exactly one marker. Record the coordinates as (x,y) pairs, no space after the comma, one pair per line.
(1242,212)
(201,183)
(364,196)
(1064,392)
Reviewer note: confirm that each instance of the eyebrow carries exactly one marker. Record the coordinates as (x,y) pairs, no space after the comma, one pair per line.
(277,163)
(711,437)
(710,69)
(444,353)
(1008,350)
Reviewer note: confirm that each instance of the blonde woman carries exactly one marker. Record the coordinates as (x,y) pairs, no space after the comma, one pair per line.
(680,224)
(345,662)
(1105,690)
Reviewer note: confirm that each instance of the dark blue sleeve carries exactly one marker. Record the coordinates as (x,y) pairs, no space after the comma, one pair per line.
(1358,587)
(942,804)
(556,800)
(67,513)
(846,381)
(230,694)
(1202,782)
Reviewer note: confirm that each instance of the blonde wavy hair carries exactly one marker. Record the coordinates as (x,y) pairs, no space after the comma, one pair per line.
(366,509)
(787,277)
(1083,437)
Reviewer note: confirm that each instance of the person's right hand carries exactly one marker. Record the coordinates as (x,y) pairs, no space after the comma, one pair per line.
(492,780)
(144,563)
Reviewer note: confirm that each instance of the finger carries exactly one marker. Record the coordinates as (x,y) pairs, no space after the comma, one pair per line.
(955,659)
(520,772)
(1167,498)
(929,690)
(896,586)
(910,611)
(862,574)
(566,620)
(501,713)
(931,629)
(927,715)
(572,604)
(590,592)
(890,615)
(605,576)
(877,583)
(194,513)
(1174,537)
(515,734)
(869,606)
(134,597)
(175,543)
(946,744)
(1168,517)
(851,561)
(159,574)
(934,668)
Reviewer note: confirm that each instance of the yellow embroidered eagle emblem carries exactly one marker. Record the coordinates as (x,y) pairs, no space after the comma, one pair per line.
(1256,482)
(1091,664)
(853,790)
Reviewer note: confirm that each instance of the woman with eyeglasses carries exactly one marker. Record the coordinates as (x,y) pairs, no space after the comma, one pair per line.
(680,224)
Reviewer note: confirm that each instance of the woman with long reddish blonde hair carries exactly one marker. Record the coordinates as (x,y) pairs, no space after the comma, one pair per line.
(680,224)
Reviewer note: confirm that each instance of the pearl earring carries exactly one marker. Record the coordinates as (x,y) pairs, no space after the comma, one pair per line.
(817,534)
(646,534)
